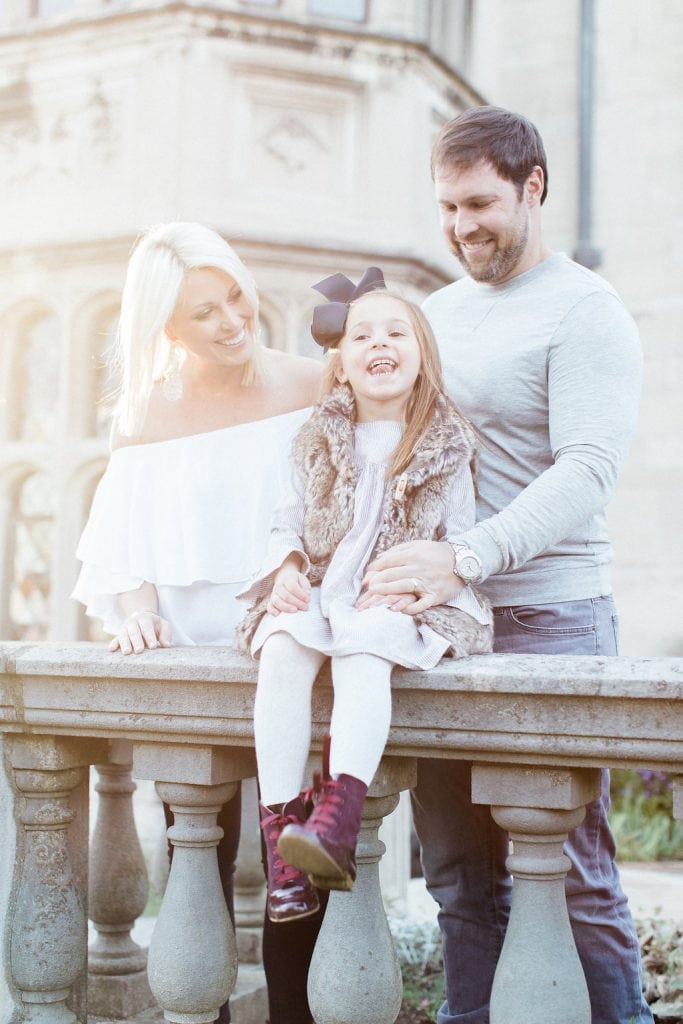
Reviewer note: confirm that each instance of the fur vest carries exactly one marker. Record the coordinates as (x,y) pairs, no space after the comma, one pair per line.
(414,503)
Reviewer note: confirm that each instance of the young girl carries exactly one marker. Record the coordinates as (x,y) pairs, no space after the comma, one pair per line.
(384,458)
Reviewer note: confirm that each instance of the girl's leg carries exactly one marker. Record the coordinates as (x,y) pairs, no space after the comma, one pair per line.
(282,716)
(325,846)
(361,716)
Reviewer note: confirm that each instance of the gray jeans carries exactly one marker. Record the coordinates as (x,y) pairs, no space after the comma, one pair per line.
(464,851)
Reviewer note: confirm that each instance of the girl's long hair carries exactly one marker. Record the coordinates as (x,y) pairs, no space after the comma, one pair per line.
(156,270)
(428,389)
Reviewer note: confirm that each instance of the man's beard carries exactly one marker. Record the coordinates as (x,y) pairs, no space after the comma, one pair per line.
(502,262)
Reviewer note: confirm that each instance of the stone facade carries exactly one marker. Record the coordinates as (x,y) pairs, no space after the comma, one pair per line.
(301,130)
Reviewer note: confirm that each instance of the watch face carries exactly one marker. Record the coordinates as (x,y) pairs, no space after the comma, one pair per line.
(469,567)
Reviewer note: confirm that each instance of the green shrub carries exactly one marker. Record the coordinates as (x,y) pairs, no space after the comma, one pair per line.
(642,817)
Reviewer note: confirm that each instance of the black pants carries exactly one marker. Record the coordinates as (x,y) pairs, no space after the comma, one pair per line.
(287,947)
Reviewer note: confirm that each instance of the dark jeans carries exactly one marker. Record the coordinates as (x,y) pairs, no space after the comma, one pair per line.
(464,851)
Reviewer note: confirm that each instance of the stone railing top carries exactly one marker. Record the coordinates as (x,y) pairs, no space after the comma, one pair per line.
(554,710)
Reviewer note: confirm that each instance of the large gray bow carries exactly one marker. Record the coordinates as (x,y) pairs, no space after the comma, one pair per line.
(329,320)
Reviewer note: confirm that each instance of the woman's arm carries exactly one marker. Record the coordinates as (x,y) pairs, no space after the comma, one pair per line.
(142,626)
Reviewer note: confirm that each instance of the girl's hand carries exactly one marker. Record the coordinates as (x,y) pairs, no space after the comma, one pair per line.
(395,602)
(291,592)
(143,629)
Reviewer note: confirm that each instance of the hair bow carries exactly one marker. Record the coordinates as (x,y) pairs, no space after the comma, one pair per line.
(329,320)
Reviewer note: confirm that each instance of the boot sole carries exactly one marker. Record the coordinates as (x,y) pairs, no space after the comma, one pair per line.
(293,917)
(323,870)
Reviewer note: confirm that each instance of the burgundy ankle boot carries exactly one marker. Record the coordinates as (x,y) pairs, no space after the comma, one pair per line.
(290,894)
(325,845)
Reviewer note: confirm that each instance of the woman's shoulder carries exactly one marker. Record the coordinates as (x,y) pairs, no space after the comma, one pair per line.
(300,375)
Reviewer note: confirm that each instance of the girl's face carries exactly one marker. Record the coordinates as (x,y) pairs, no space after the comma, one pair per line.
(380,357)
(212,320)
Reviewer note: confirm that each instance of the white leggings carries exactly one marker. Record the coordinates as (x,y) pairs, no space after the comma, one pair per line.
(361,715)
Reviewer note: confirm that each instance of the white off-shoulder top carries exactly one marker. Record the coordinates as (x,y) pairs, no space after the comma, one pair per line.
(192,516)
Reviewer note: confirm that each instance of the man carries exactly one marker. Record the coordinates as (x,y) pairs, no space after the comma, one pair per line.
(544,359)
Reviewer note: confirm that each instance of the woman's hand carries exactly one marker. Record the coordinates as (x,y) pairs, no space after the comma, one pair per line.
(142,629)
(419,574)
(291,591)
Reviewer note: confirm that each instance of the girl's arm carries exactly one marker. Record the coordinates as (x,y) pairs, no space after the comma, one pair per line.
(142,626)
(285,553)
(291,589)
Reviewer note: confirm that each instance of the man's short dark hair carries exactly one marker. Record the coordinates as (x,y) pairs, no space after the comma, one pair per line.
(507,141)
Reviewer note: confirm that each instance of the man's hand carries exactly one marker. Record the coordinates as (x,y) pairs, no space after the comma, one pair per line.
(421,570)
(291,590)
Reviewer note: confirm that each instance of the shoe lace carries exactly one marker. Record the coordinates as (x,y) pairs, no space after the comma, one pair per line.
(283,873)
(329,802)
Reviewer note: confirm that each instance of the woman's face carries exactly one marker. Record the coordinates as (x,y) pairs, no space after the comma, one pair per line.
(213,320)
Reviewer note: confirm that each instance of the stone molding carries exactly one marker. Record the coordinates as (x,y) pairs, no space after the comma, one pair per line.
(537,729)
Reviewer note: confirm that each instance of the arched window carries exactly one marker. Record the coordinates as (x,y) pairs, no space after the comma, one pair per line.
(36,379)
(103,377)
(307,345)
(89,628)
(29,598)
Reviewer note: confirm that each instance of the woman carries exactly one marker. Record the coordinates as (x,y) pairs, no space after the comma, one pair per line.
(181,517)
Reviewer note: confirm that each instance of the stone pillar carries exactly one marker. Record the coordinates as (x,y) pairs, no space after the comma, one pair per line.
(354,976)
(250,886)
(539,976)
(117,895)
(192,962)
(48,929)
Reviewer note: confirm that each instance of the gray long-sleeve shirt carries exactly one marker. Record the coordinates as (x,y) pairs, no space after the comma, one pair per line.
(547,366)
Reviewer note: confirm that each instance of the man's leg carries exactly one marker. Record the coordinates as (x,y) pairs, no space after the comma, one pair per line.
(463,859)
(601,921)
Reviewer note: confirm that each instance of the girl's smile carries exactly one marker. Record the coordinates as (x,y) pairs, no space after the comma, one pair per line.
(380,357)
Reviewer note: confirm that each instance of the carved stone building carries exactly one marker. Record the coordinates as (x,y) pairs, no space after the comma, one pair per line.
(301,130)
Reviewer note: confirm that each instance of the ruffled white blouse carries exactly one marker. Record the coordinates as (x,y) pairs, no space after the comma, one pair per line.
(192,516)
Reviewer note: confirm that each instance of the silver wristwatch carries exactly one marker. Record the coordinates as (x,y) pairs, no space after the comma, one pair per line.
(467,565)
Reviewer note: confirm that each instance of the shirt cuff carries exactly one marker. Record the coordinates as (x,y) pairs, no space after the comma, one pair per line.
(263,582)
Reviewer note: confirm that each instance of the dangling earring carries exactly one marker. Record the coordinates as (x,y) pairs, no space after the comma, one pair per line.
(172,382)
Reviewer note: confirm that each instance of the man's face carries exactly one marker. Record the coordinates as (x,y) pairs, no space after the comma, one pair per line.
(484,221)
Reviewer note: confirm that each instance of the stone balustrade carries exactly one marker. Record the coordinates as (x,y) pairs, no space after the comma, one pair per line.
(537,729)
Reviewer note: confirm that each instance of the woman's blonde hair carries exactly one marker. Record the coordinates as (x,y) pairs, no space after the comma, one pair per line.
(156,270)
(428,388)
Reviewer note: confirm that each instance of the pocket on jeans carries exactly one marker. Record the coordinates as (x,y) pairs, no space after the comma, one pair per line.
(563,619)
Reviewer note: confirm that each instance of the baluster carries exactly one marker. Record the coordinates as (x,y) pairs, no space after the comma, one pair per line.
(192,962)
(117,894)
(539,976)
(49,928)
(678,796)
(354,976)
(249,880)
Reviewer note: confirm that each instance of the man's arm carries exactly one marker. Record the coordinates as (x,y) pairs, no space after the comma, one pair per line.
(594,370)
